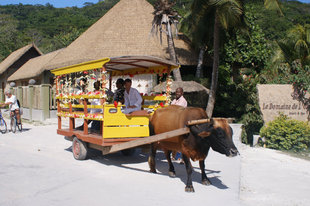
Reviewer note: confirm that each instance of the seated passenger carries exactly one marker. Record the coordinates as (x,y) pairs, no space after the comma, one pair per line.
(96,124)
(179,99)
(119,93)
(132,98)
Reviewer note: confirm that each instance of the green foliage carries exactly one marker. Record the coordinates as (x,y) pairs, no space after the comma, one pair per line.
(50,28)
(245,55)
(9,37)
(239,100)
(252,118)
(250,49)
(275,26)
(286,134)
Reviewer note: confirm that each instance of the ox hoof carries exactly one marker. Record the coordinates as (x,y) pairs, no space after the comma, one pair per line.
(171,174)
(153,171)
(206,182)
(189,189)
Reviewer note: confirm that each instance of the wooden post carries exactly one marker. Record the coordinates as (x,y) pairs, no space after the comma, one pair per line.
(58,111)
(30,100)
(168,88)
(1,95)
(103,71)
(44,100)
(85,120)
(58,103)
(71,119)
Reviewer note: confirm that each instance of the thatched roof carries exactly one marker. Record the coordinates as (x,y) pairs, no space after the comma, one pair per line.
(123,31)
(14,56)
(33,67)
(188,86)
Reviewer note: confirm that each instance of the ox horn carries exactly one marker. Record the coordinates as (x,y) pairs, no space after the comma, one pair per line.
(198,121)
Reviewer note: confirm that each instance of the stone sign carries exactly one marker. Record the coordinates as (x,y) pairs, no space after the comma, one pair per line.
(278,98)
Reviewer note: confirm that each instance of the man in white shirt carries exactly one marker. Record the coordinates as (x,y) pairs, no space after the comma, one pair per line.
(179,99)
(11,100)
(133,99)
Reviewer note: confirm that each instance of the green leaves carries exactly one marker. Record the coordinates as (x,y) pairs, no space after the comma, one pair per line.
(9,37)
(286,134)
(50,28)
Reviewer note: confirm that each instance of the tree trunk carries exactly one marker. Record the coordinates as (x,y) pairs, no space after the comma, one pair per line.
(173,56)
(216,44)
(200,61)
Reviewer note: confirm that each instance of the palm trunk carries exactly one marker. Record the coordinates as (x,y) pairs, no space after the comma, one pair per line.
(200,61)
(216,44)
(173,56)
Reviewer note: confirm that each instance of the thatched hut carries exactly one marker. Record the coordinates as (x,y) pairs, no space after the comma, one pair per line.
(14,61)
(123,31)
(34,69)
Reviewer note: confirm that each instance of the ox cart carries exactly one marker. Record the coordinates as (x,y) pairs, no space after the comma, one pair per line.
(118,131)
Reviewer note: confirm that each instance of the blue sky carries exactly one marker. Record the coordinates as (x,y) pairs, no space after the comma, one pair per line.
(55,3)
(63,3)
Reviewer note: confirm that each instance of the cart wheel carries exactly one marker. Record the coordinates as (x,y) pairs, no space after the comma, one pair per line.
(79,149)
(128,152)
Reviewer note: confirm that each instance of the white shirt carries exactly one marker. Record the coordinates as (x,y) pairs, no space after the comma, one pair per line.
(133,98)
(13,100)
(181,102)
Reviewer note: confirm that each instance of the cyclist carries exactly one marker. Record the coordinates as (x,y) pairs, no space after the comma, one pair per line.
(11,100)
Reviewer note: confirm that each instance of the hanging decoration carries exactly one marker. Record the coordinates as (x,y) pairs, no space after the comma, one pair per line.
(168,89)
(104,82)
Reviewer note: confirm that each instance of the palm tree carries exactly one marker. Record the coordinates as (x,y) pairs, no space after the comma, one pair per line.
(225,15)
(165,15)
(296,47)
(301,38)
(199,34)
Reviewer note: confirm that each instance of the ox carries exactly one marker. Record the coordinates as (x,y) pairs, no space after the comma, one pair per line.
(195,145)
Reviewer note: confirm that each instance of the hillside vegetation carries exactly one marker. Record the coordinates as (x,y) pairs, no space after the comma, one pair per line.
(53,28)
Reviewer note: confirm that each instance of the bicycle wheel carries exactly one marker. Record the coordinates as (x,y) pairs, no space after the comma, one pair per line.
(3,127)
(13,124)
(20,126)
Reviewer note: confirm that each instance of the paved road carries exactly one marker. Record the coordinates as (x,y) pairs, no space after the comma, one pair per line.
(37,168)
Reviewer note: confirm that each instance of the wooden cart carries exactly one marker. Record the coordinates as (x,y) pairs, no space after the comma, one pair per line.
(118,131)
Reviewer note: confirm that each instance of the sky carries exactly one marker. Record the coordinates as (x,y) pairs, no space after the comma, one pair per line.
(55,3)
(64,3)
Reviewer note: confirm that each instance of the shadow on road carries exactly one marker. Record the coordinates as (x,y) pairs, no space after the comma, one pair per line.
(119,160)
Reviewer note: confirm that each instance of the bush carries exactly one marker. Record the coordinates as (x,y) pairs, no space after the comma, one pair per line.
(284,133)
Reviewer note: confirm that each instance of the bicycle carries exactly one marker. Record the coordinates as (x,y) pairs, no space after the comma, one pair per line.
(14,123)
(3,126)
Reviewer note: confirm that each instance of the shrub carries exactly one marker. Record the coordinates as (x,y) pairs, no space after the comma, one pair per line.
(284,133)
